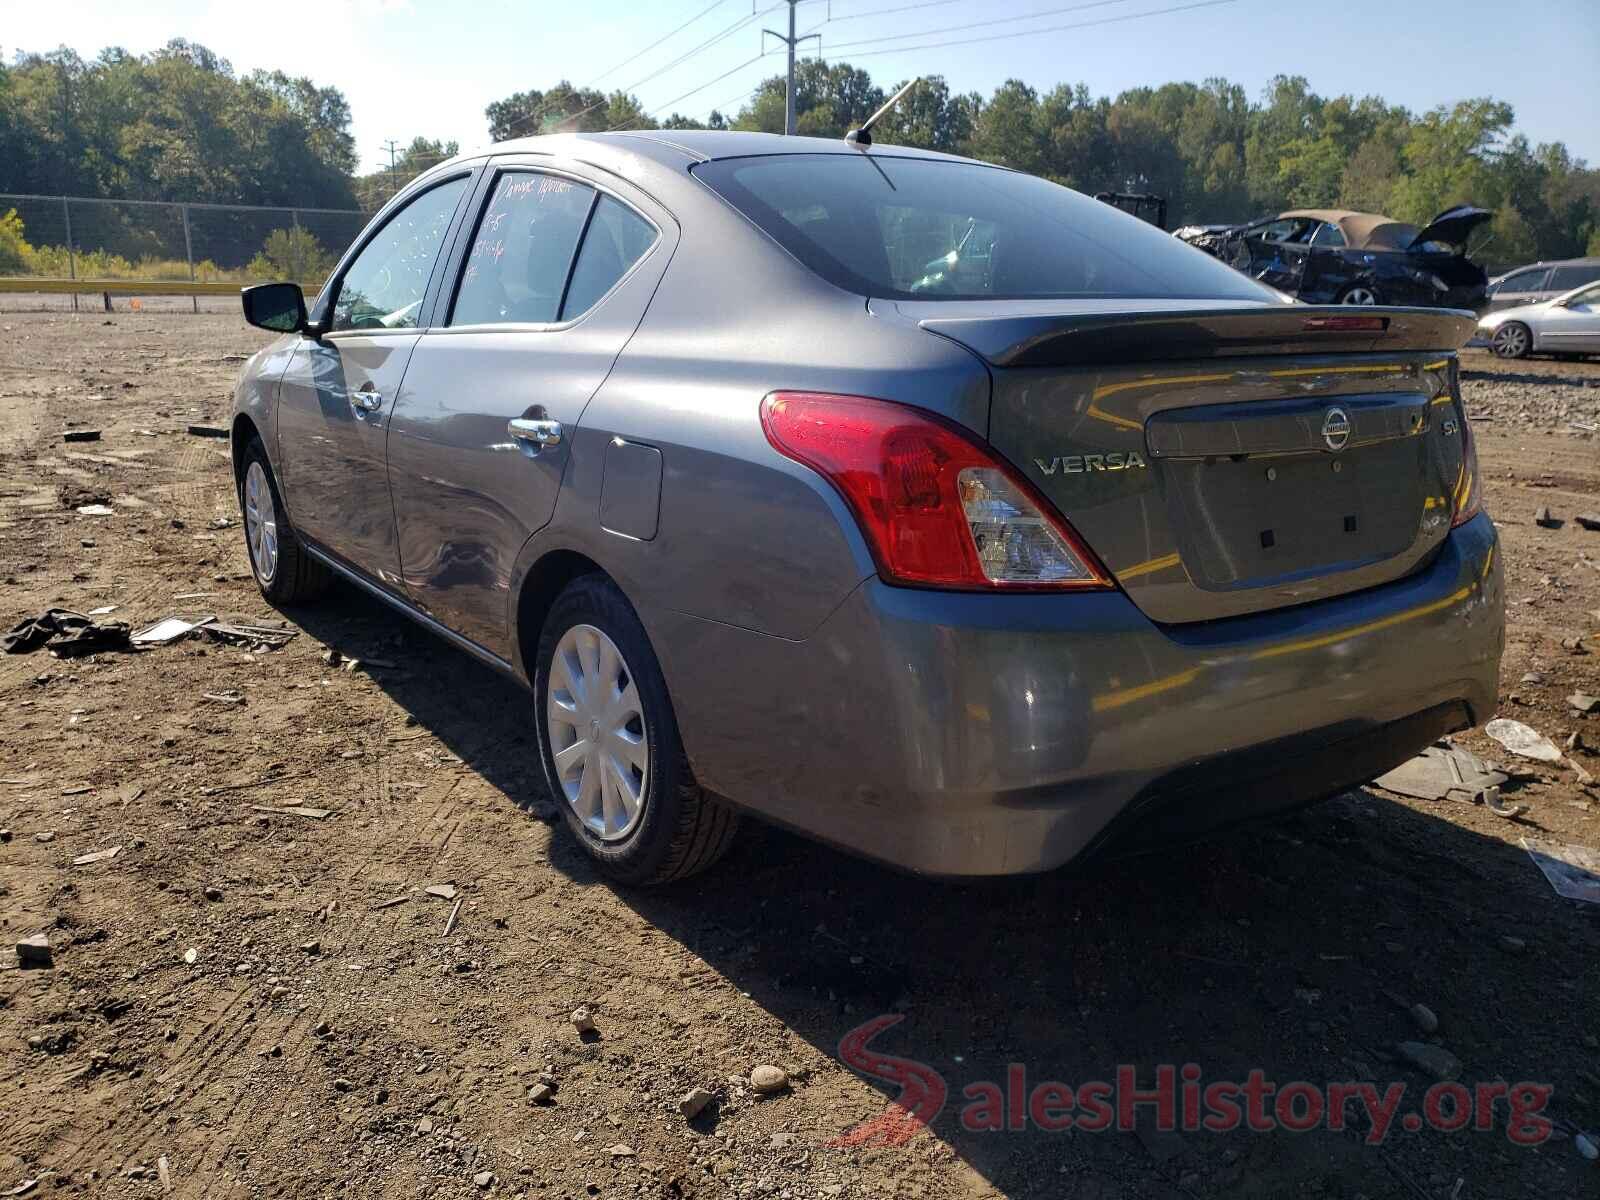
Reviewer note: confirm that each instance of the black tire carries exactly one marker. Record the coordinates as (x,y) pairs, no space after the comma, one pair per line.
(682,830)
(1512,339)
(298,578)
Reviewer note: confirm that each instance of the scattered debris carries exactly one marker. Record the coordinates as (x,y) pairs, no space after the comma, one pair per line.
(208,431)
(1589,520)
(169,629)
(1439,772)
(34,951)
(1543,518)
(96,510)
(389,903)
(621,1150)
(1583,702)
(84,860)
(1522,740)
(694,1102)
(68,634)
(312,947)
(191,956)
(1573,871)
(295,810)
(450,924)
(105,610)
(443,891)
(257,637)
(484,1179)
(768,1080)
(80,435)
(164,1170)
(234,698)
(1431,1060)
(541,1093)
(583,1021)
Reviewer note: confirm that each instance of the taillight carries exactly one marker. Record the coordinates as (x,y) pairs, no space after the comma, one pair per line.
(936,508)
(1469,485)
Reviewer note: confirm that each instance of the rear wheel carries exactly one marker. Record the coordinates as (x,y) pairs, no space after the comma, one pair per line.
(284,572)
(1512,340)
(609,743)
(1360,293)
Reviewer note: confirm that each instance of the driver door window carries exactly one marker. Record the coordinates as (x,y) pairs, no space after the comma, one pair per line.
(385,284)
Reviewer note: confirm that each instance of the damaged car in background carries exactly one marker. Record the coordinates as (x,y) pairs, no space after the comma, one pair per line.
(1332,256)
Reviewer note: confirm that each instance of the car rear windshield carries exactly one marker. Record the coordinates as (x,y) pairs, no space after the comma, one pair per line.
(926,229)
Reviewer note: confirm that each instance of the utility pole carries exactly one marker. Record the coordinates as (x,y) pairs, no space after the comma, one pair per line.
(791,41)
(390,147)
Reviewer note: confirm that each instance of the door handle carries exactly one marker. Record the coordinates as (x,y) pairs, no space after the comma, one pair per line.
(367,401)
(538,433)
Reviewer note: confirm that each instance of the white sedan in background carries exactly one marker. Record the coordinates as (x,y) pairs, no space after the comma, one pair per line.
(1569,324)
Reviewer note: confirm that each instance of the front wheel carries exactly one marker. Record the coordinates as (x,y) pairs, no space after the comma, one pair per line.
(284,572)
(609,745)
(1512,340)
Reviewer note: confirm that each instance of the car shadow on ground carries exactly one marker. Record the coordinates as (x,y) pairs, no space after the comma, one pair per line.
(1293,948)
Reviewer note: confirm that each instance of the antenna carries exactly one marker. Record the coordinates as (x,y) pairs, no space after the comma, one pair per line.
(863,136)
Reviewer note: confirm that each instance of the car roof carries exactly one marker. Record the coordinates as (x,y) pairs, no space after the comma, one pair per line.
(1361,230)
(705,145)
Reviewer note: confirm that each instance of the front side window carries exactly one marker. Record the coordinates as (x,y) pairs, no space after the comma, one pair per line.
(925,229)
(521,256)
(1522,281)
(384,287)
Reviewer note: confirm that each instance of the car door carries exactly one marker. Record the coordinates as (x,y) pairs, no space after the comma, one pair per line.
(1520,287)
(1574,326)
(545,288)
(335,398)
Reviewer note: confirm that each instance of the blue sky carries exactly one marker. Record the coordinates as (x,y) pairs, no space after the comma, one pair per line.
(413,67)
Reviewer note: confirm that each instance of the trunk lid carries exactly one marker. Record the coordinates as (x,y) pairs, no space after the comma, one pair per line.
(1228,461)
(1452,227)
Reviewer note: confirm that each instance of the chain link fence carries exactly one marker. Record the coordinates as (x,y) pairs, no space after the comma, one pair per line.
(115,246)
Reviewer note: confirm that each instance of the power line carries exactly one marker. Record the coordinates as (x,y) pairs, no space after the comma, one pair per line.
(696,91)
(883,12)
(1000,37)
(659,40)
(1047,12)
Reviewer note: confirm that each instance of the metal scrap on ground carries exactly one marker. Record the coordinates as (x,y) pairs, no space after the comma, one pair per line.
(296,810)
(168,629)
(1573,871)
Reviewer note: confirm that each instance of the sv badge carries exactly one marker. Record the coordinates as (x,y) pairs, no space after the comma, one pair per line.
(1076,464)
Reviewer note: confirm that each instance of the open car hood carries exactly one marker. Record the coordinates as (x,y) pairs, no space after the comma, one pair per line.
(1452,227)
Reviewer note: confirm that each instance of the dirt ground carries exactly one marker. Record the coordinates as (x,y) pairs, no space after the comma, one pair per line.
(233,1010)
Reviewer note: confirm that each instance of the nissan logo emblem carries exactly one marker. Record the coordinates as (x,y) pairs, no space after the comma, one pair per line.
(1336,428)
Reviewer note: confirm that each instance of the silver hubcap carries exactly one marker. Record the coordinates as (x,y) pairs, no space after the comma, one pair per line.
(597,732)
(1510,341)
(260,523)
(1360,296)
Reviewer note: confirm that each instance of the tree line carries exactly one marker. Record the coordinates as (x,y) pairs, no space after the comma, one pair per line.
(180,124)
(1215,154)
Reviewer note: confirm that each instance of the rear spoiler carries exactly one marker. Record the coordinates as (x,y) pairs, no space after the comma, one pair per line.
(1094,339)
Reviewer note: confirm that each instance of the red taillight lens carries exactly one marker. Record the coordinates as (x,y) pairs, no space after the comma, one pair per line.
(1469,485)
(937,509)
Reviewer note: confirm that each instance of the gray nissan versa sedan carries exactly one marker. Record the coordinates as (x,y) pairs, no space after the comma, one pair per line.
(922,506)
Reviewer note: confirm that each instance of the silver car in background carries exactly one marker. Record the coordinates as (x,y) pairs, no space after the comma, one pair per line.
(919,505)
(1541,281)
(1566,324)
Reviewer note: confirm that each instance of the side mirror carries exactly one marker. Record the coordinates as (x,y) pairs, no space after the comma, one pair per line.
(279,307)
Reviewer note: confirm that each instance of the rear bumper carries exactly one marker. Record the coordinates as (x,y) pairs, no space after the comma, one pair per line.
(964,734)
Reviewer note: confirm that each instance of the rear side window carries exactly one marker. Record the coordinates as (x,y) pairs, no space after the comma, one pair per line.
(1522,281)
(1565,279)
(923,229)
(618,237)
(521,255)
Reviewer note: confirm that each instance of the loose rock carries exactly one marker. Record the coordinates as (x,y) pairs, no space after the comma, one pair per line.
(1543,518)
(694,1102)
(768,1080)
(1425,1018)
(484,1179)
(312,947)
(1431,1060)
(541,1093)
(583,1021)
(34,951)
